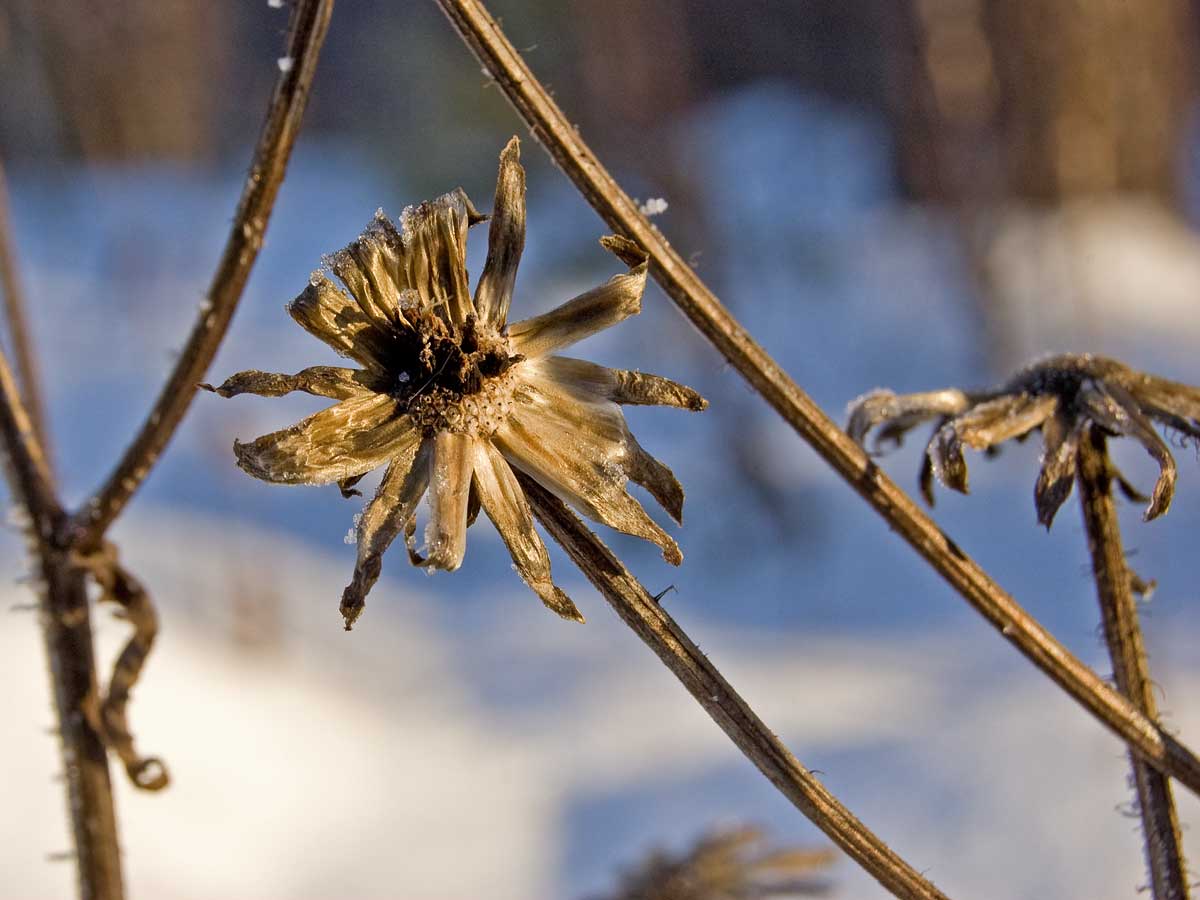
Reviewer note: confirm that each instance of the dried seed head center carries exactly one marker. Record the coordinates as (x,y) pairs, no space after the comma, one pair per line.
(455,378)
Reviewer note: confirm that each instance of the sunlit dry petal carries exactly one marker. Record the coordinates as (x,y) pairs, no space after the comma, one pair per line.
(345,440)
(508,509)
(321,381)
(594,486)
(384,518)
(619,385)
(372,268)
(982,426)
(449,490)
(506,240)
(435,238)
(327,313)
(590,312)
(1112,407)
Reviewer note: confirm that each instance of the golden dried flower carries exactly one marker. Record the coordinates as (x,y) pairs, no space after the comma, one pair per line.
(1061,395)
(452,398)
(729,864)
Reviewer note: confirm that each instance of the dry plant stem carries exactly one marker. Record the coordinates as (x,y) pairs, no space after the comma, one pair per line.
(638,609)
(309,23)
(560,138)
(18,328)
(66,627)
(1123,634)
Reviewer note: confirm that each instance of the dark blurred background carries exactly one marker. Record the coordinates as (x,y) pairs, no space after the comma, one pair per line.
(885,192)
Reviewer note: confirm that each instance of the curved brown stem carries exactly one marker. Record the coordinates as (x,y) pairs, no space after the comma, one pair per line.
(639,610)
(18,326)
(309,22)
(1123,634)
(562,141)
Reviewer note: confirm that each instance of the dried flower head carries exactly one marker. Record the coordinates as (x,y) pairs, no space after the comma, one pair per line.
(1061,395)
(451,398)
(731,864)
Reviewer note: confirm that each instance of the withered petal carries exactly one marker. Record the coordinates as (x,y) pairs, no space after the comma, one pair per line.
(925,479)
(329,314)
(586,478)
(1112,407)
(399,492)
(982,426)
(628,388)
(1174,404)
(506,240)
(449,492)
(1060,445)
(372,268)
(435,241)
(345,440)
(508,509)
(321,381)
(655,477)
(602,307)
(882,405)
(944,452)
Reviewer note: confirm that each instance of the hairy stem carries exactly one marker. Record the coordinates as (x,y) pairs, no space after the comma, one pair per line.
(1123,634)
(562,141)
(66,628)
(639,610)
(309,23)
(18,327)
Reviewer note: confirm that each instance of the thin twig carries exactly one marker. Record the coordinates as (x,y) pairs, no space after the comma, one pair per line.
(637,608)
(66,629)
(18,326)
(1123,634)
(309,23)
(562,141)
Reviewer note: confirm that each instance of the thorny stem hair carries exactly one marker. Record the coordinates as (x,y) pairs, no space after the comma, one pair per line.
(1123,635)
(562,141)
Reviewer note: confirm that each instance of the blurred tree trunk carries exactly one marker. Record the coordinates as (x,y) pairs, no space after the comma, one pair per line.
(134,79)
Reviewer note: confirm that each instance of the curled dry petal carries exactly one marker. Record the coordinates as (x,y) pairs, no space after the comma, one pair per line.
(345,440)
(619,385)
(506,506)
(435,238)
(1114,408)
(329,314)
(506,239)
(1060,443)
(449,491)
(590,312)
(882,405)
(321,381)
(984,426)
(372,268)
(385,517)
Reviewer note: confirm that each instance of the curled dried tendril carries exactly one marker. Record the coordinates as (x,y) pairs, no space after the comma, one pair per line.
(108,716)
(452,399)
(1062,396)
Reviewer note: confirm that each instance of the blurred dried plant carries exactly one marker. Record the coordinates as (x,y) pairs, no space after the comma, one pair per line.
(452,398)
(726,864)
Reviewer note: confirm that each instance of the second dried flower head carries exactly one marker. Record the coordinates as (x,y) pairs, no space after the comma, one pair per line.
(453,399)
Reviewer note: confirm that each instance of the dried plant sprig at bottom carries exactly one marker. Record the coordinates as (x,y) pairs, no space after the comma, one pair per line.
(452,397)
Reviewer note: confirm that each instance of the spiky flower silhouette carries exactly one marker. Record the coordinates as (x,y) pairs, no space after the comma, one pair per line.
(452,398)
(1060,395)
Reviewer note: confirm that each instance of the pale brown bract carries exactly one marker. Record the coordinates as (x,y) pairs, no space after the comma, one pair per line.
(1060,395)
(452,398)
